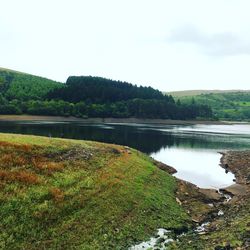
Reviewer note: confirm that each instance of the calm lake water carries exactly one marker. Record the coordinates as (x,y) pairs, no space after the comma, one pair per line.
(192,150)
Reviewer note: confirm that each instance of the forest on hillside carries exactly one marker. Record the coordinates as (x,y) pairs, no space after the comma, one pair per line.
(227,106)
(88,96)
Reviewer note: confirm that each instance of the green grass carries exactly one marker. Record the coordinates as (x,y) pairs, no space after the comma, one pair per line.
(242,104)
(68,194)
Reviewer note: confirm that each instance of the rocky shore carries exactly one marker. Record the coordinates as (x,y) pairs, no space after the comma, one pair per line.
(221,218)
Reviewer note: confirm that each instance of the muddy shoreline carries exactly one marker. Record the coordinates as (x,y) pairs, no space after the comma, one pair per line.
(106,120)
(219,219)
(227,210)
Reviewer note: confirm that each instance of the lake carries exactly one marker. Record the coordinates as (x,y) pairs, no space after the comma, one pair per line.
(192,150)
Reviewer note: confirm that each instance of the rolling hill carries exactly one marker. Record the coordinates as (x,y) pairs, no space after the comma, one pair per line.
(231,105)
(24,87)
(183,93)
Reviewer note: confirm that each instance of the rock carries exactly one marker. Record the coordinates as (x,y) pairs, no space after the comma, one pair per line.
(127,150)
(236,189)
(178,201)
(115,151)
(211,194)
(195,220)
(220,213)
(165,167)
(202,233)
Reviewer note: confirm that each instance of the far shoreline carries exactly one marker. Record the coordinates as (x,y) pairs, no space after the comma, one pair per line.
(9,118)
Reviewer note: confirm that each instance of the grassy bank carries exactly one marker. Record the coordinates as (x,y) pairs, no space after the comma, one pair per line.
(67,194)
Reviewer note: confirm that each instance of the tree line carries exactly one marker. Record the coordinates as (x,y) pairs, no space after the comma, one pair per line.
(132,108)
(88,96)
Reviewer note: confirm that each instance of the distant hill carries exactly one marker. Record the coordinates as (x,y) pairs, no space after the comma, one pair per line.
(22,86)
(11,70)
(226,105)
(195,92)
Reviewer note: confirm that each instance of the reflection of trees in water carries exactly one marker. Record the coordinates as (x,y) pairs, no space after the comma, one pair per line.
(147,141)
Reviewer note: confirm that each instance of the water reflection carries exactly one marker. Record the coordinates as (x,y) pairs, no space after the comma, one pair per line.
(197,166)
(148,139)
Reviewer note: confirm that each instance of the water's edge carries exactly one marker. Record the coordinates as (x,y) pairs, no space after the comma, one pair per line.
(163,236)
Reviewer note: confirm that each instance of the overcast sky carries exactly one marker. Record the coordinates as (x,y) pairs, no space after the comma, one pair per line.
(167,44)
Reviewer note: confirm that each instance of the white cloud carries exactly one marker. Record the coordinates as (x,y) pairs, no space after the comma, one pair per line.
(216,44)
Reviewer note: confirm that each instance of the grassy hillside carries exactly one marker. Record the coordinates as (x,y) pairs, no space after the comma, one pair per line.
(68,194)
(226,106)
(23,87)
(183,93)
